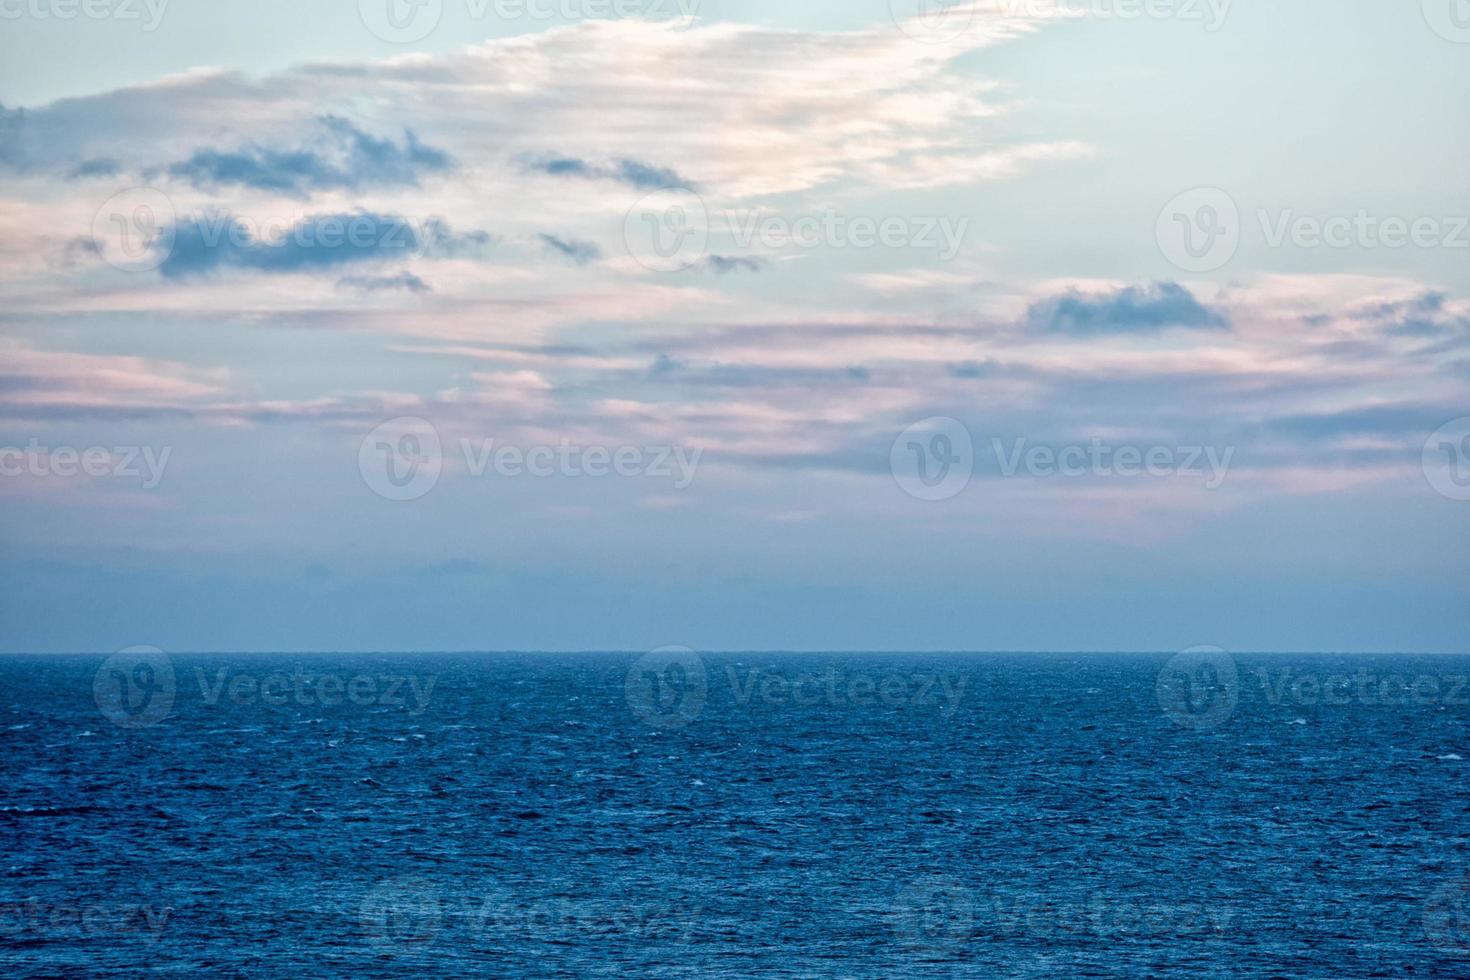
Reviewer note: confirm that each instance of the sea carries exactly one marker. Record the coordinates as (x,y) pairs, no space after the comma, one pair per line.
(684,814)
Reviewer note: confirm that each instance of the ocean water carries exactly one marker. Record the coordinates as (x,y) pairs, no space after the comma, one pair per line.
(687,815)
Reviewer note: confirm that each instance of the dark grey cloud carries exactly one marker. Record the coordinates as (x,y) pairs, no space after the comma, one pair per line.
(578,251)
(222,242)
(343,156)
(725,264)
(1424,316)
(634,173)
(1131,309)
(406,281)
(96,167)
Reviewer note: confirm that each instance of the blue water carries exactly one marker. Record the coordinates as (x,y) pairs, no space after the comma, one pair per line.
(735,816)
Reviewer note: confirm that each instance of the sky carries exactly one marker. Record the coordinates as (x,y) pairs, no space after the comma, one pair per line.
(621,324)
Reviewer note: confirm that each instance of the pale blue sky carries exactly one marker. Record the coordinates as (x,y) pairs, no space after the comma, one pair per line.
(1064,318)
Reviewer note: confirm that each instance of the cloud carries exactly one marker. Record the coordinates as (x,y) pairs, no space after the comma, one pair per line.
(725,264)
(374,284)
(96,167)
(642,176)
(221,242)
(668,369)
(1425,315)
(811,109)
(343,157)
(579,252)
(64,384)
(12,123)
(1130,309)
